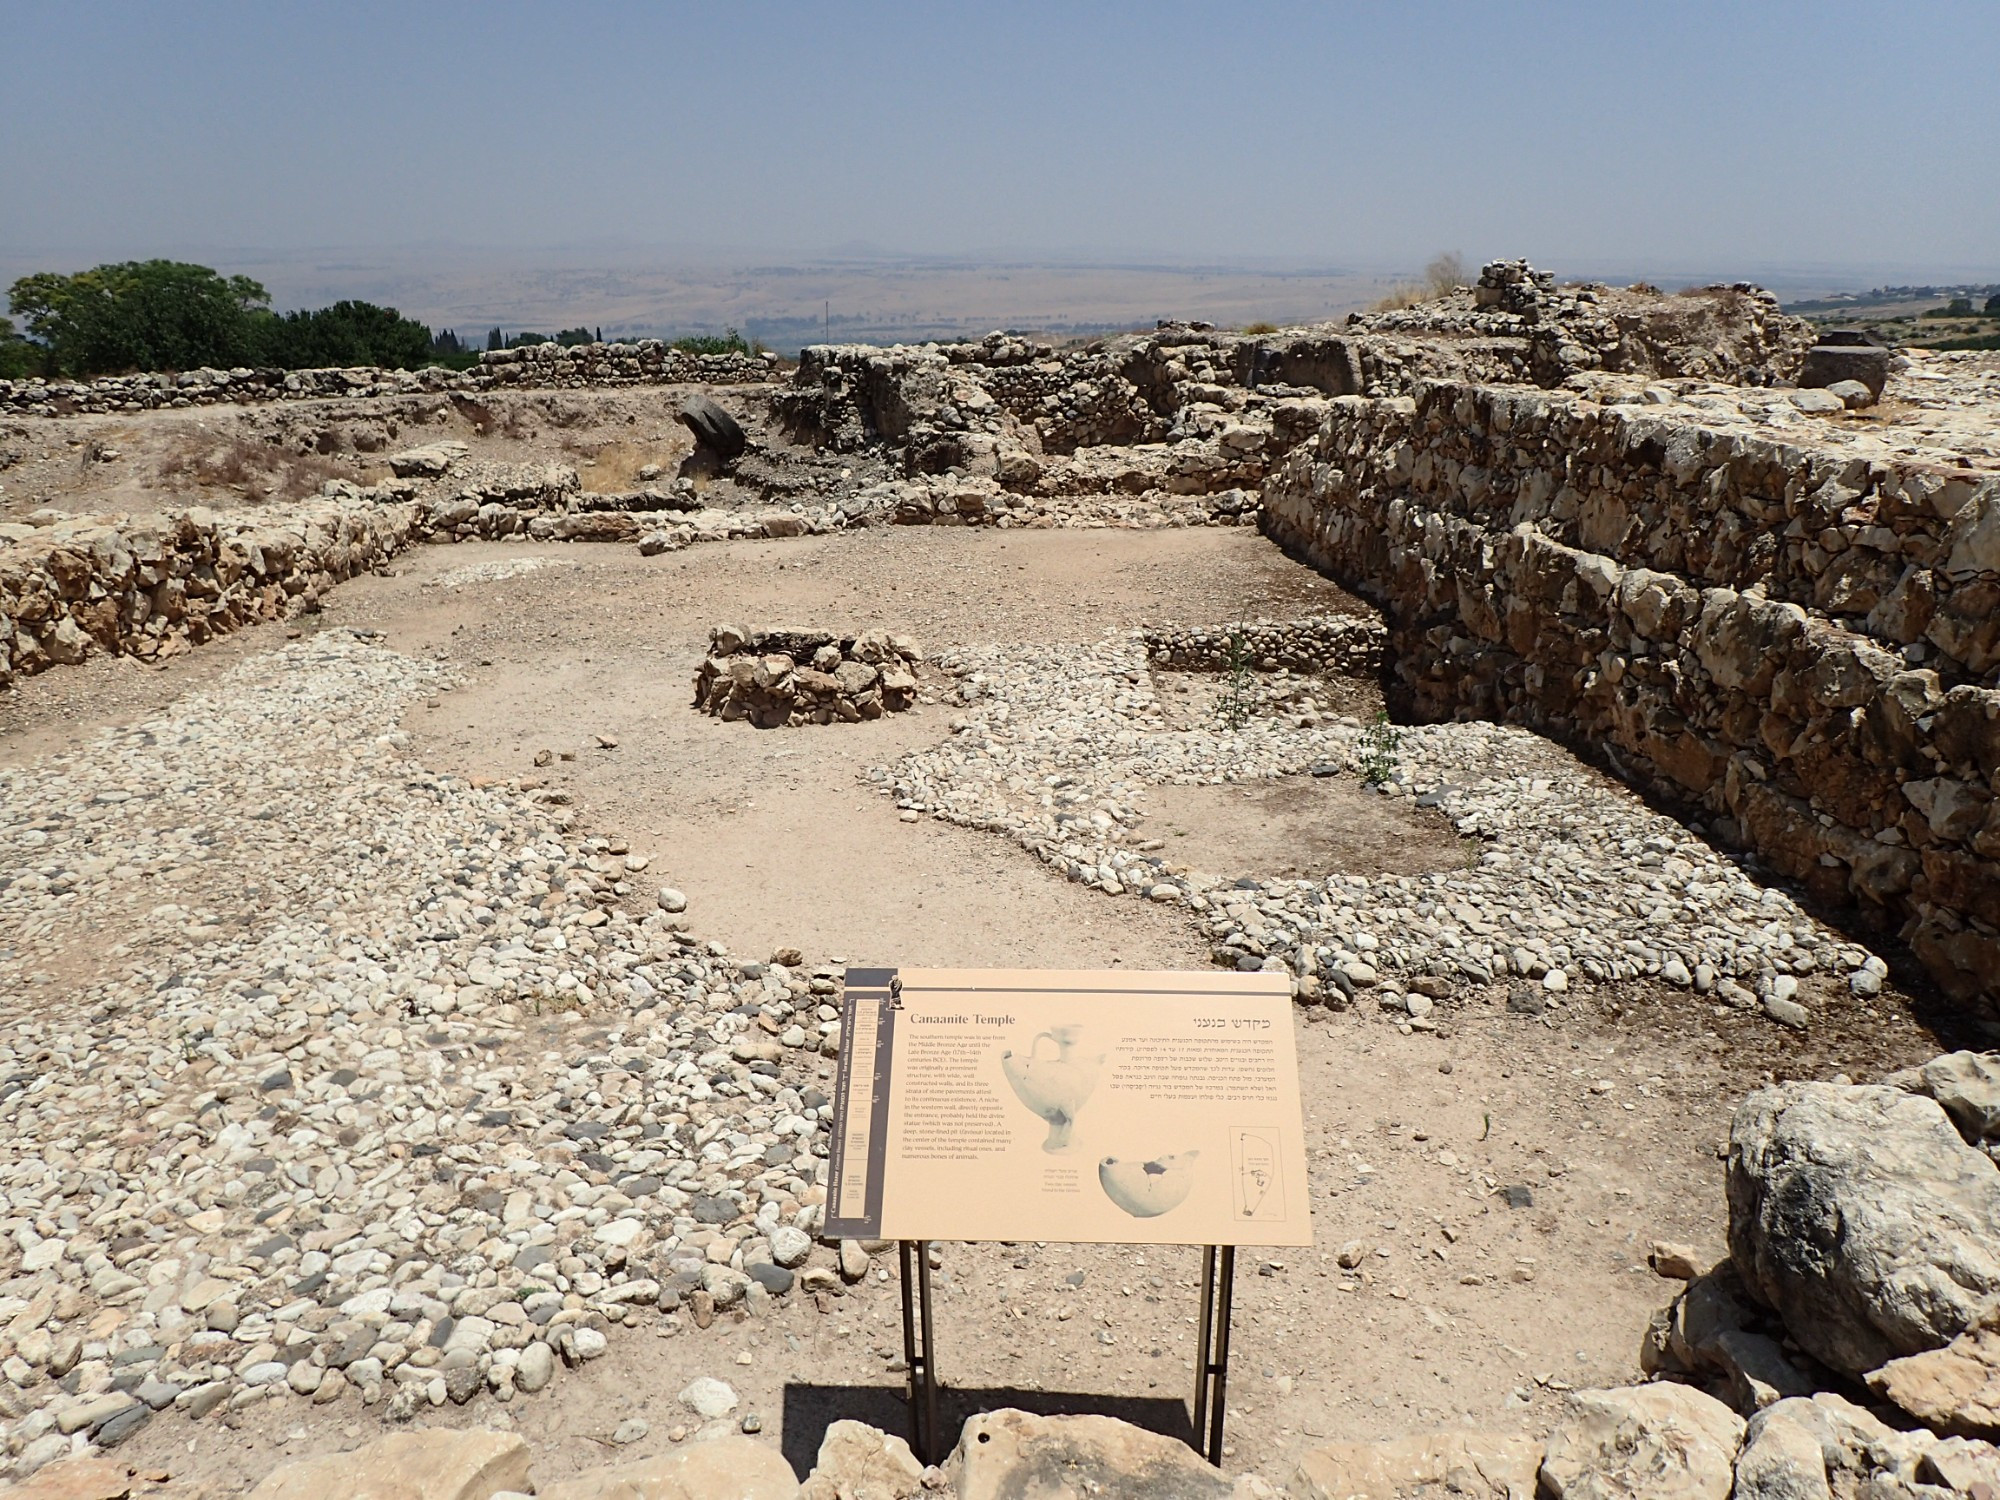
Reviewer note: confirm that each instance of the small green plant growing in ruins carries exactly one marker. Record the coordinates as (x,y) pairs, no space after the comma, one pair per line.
(1236,704)
(1379,743)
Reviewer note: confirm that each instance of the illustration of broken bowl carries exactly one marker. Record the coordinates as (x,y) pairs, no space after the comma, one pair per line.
(1053,1085)
(1147,1189)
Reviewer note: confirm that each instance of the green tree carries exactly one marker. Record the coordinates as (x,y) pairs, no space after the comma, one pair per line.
(343,335)
(141,315)
(1993,306)
(18,357)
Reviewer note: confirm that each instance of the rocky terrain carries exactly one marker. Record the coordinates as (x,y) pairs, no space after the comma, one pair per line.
(421,1021)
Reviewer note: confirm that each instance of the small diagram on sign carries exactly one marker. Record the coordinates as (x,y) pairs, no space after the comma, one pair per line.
(1260,1188)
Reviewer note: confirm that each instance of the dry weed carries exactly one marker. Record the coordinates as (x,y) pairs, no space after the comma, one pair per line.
(251,469)
(616,466)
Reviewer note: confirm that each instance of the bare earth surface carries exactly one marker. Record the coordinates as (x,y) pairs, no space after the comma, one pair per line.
(1457,1305)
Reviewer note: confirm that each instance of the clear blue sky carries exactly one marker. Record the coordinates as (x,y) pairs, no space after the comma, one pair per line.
(1637,135)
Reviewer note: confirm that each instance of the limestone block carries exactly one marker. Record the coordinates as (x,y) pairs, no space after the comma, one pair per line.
(859,1462)
(1665,1442)
(431,1464)
(1466,1463)
(1015,1455)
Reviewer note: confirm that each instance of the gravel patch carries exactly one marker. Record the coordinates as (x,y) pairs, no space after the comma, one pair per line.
(322,1073)
(1568,877)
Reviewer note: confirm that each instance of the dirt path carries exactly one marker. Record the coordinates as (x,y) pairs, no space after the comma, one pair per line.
(772,834)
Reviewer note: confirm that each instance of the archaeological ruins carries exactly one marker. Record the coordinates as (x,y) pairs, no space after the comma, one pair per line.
(438,811)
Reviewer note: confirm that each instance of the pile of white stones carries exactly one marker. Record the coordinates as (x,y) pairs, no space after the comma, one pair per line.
(1571,877)
(322,1073)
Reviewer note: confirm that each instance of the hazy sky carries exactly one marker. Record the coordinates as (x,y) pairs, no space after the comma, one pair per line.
(1709,137)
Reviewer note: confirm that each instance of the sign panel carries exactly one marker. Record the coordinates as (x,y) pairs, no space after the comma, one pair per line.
(1098,1106)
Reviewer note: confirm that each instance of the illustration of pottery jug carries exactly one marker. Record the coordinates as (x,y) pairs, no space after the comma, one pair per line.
(1053,1085)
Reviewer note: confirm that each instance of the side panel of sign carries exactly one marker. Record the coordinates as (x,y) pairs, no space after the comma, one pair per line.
(858,1155)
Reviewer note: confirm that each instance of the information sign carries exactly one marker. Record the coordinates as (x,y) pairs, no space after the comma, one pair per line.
(1102,1107)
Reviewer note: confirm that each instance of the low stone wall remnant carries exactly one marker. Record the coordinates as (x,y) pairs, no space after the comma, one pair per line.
(539,366)
(150,588)
(1336,645)
(775,678)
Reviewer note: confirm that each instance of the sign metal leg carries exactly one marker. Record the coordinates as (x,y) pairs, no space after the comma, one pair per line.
(919,1346)
(1211,1391)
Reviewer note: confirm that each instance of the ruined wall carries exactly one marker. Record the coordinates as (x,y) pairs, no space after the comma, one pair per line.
(1337,645)
(1802,643)
(149,588)
(540,366)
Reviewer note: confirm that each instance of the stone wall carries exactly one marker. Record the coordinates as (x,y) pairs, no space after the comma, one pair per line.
(150,588)
(1337,645)
(1802,643)
(539,366)
(774,678)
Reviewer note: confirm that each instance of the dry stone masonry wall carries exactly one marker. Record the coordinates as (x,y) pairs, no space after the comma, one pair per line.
(1337,645)
(774,678)
(1802,639)
(150,588)
(539,366)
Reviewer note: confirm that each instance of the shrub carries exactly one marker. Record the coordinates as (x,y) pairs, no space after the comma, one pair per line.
(1445,273)
(730,342)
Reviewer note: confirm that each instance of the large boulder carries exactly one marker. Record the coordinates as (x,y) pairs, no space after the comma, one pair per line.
(1829,364)
(430,1464)
(1804,1449)
(1015,1455)
(1782,1458)
(1660,1442)
(726,1468)
(714,429)
(1471,1465)
(1861,1217)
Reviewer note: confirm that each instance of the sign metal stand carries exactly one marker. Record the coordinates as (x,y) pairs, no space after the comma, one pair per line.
(918,1348)
(1211,1360)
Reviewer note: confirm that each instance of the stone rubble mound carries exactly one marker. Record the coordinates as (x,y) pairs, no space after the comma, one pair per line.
(779,678)
(359,1172)
(1734,333)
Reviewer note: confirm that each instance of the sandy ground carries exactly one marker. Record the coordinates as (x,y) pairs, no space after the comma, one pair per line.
(1461,1309)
